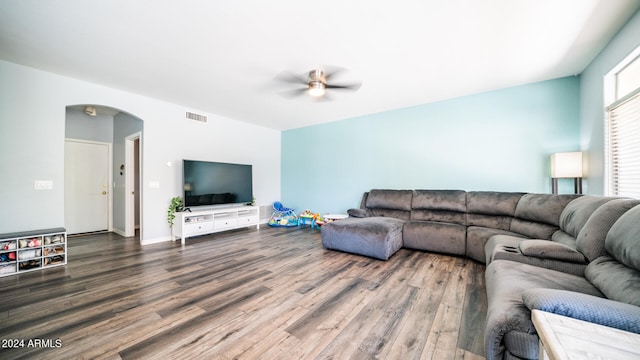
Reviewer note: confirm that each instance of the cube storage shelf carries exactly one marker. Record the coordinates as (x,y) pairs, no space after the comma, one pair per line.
(32,250)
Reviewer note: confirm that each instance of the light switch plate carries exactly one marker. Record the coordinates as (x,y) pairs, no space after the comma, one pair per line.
(43,184)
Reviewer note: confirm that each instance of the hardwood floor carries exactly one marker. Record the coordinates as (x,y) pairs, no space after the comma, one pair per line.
(272,293)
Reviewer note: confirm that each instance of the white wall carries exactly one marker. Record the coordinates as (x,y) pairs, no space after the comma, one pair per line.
(124,125)
(32,131)
(84,127)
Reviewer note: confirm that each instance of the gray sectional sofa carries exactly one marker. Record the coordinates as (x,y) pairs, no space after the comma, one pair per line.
(575,255)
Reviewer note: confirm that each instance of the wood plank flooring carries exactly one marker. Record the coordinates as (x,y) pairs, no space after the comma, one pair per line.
(271,293)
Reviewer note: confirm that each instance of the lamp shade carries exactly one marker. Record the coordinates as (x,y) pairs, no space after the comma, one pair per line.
(566,165)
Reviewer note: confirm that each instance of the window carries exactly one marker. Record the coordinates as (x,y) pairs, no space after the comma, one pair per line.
(622,128)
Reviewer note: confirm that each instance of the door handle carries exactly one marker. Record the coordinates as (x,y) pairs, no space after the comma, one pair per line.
(104,193)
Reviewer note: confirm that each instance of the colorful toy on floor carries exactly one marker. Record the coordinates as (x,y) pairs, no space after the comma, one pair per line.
(318,220)
(305,218)
(283,216)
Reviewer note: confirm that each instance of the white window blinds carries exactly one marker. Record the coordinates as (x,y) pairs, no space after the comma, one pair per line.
(624,146)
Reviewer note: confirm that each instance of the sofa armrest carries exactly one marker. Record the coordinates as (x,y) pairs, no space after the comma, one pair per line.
(358,213)
(585,307)
(546,249)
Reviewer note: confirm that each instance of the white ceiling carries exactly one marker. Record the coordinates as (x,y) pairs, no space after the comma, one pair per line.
(222,56)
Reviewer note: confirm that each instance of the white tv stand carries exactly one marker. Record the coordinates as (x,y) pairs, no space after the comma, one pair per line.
(202,222)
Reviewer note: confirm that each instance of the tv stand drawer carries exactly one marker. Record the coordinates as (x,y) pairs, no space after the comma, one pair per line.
(198,227)
(248,220)
(225,223)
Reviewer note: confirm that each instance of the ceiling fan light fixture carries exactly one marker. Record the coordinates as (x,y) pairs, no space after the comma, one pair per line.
(316,88)
(316,84)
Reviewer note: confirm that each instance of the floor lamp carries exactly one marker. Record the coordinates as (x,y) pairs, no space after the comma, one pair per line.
(566,165)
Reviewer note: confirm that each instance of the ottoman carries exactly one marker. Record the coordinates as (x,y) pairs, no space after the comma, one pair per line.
(377,237)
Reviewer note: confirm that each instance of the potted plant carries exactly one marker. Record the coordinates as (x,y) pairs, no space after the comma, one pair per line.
(176,205)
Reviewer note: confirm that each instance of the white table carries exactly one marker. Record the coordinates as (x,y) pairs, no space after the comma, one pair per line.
(333,217)
(563,337)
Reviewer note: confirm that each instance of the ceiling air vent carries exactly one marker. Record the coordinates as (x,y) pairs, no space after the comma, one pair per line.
(196,117)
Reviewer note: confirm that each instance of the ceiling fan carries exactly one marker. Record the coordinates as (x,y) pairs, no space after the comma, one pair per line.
(316,83)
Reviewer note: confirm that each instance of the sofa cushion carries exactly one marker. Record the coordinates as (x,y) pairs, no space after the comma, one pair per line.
(574,216)
(584,307)
(533,229)
(546,249)
(363,201)
(389,203)
(450,200)
(578,211)
(562,237)
(542,208)
(508,317)
(447,206)
(590,240)
(501,222)
(548,254)
(492,202)
(623,240)
(397,214)
(435,236)
(615,280)
(439,216)
(477,237)
(358,213)
(390,199)
(502,243)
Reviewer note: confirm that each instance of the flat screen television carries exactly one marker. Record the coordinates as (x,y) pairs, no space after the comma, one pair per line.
(215,183)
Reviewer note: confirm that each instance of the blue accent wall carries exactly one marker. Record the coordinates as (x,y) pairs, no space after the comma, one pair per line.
(499,140)
(592,106)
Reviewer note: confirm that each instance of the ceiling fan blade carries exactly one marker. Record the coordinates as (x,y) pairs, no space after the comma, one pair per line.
(352,87)
(291,78)
(292,93)
(331,72)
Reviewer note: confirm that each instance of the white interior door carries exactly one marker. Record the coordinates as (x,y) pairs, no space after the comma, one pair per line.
(86,186)
(132,184)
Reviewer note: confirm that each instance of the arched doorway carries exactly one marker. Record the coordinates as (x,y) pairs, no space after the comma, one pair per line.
(95,125)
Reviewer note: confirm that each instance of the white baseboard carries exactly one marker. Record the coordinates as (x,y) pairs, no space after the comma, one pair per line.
(155,241)
(119,232)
